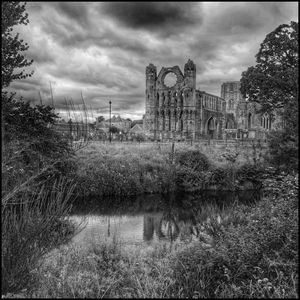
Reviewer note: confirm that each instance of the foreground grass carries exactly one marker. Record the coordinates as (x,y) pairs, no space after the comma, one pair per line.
(254,257)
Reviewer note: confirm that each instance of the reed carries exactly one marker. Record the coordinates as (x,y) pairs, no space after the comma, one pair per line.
(31,226)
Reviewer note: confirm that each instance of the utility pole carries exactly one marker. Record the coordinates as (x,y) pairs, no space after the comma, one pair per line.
(41,101)
(52,100)
(110,121)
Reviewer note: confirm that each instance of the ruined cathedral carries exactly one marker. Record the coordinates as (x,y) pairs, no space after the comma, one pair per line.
(176,109)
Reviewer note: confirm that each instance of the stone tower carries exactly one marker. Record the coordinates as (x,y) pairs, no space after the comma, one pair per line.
(151,76)
(230,91)
(190,74)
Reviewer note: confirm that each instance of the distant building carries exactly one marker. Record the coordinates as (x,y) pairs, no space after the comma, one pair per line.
(243,118)
(137,129)
(75,130)
(176,109)
(116,121)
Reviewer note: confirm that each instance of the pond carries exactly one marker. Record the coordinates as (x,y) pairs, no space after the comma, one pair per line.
(149,219)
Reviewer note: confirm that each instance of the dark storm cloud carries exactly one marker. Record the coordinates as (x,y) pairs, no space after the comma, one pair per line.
(102,49)
(70,35)
(77,11)
(153,15)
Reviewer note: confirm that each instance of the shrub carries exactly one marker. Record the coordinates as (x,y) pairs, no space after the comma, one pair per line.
(252,173)
(192,170)
(283,150)
(193,159)
(224,177)
(256,257)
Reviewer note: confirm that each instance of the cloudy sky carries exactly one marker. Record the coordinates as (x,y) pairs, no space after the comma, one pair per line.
(101,49)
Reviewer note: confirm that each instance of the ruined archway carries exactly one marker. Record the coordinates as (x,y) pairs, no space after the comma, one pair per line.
(211,127)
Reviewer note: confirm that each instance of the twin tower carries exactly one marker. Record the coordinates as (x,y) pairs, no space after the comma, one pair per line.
(175,109)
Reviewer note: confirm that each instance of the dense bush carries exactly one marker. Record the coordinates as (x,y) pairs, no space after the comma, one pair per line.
(256,259)
(192,170)
(31,147)
(193,159)
(251,173)
(283,150)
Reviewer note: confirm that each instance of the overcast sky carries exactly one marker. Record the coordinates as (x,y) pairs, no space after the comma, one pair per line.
(102,48)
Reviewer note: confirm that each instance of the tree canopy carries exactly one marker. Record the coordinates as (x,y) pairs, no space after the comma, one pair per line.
(273,81)
(114,129)
(13,13)
(100,119)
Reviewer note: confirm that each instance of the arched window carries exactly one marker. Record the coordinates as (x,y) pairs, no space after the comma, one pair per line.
(211,124)
(249,121)
(266,121)
(229,124)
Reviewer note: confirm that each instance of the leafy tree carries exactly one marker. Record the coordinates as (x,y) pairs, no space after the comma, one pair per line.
(28,132)
(273,82)
(100,119)
(139,137)
(113,129)
(13,13)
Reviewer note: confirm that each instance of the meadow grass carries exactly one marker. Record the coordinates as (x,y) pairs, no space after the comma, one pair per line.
(124,169)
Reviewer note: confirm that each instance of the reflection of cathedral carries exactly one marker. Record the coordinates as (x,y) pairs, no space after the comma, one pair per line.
(176,109)
(167,226)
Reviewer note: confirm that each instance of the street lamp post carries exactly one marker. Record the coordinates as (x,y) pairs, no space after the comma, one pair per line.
(110,121)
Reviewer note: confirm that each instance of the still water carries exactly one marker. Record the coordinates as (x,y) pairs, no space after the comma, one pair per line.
(150,219)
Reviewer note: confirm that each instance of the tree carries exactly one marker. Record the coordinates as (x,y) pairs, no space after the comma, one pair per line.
(113,129)
(100,119)
(273,82)
(13,13)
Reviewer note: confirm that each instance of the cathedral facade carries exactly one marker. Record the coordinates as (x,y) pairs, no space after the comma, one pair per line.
(175,109)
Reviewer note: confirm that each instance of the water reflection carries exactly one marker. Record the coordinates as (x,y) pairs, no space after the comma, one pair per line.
(150,218)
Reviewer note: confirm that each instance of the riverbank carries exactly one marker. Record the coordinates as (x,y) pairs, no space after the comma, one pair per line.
(119,169)
(254,255)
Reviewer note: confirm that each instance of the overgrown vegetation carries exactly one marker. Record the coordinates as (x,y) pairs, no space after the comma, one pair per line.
(36,197)
(131,169)
(32,225)
(254,255)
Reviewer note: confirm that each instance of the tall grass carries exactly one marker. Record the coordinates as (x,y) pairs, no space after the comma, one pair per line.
(33,223)
(120,169)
